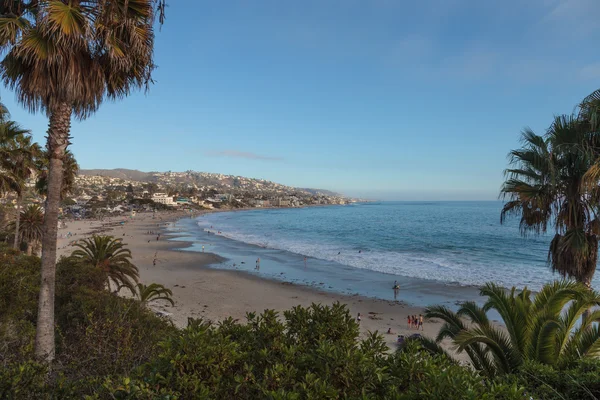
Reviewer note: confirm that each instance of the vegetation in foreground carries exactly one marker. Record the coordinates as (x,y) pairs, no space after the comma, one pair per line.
(553,328)
(109,347)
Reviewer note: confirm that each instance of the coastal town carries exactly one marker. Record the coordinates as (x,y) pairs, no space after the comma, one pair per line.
(112,192)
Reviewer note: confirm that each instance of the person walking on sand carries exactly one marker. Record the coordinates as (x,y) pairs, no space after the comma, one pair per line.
(408,322)
(358,318)
(420,321)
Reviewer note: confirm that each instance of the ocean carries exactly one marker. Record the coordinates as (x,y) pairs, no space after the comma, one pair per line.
(435,250)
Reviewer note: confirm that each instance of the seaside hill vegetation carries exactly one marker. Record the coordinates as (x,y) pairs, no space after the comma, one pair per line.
(111,347)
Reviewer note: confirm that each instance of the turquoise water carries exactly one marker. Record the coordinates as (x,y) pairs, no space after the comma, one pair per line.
(363,248)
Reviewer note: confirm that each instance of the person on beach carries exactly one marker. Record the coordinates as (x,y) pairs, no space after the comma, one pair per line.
(358,318)
(396,286)
(304,262)
(408,322)
(257,264)
(203,248)
(420,321)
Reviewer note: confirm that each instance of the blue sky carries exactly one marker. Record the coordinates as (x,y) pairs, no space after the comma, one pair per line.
(384,99)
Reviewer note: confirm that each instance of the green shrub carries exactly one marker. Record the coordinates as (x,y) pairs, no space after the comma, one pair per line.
(314,353)
(99,334)
(421,374)
(25,380)
(545,382)
(19,286)
(271,358)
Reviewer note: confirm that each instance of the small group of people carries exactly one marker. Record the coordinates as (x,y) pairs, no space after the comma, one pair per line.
(414,322)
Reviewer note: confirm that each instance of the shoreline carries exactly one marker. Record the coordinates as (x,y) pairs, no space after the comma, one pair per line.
(200,291)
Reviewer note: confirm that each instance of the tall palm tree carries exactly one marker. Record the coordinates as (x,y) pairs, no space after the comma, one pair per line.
(154,292)
(64,58)
(544,328)
(8,133)
(112,257)
(32,221)
(21,166)
(70,170)
(546,186)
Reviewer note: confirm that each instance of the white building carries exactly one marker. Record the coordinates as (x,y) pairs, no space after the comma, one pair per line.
(163,198)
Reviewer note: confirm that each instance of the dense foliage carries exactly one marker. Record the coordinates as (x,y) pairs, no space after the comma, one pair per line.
(551,327)
(98,334)
(109,347)
(111,257)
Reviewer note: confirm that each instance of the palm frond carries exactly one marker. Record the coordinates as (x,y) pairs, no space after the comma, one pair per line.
(475,313)
(505,355)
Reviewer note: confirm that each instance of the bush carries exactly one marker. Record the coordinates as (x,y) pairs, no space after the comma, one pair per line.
(99,334)
(314,353)
(546,382)
(421,374)
(270,358)
(19,287)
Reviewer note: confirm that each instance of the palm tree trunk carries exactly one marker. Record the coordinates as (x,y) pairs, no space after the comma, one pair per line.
(17,221)
(29,248)
(58,140)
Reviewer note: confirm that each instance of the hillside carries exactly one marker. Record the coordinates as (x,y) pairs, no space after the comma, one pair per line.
(120,173)
(196,178)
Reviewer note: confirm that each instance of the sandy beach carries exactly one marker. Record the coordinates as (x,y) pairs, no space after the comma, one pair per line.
(215,294)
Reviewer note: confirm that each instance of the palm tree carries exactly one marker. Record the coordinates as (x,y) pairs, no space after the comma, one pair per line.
(7,135)
(8,182)
(70,171)
(17,162)
(20,165)
(543,329)
(112,257)
(154,292)
(32,221)
(546,185)
(65,58)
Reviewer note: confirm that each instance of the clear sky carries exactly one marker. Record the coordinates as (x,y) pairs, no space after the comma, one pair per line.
(378,98)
